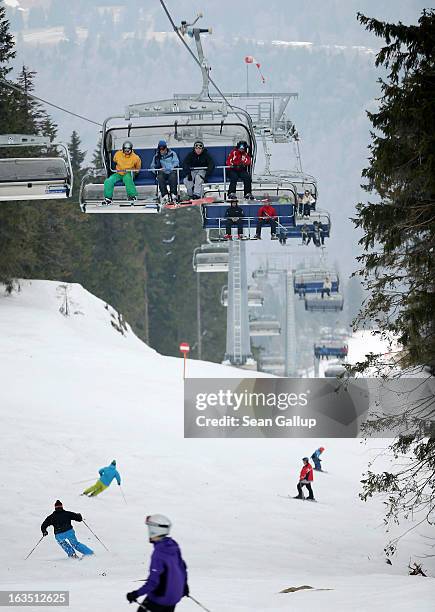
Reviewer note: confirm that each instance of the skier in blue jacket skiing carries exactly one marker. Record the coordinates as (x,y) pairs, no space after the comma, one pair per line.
(107,474)
(166,584)
(316,458)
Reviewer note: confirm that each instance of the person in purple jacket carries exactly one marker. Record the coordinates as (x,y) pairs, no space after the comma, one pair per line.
(166,584)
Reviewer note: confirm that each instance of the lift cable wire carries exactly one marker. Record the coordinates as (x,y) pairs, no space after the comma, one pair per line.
(13,86)
(191,52)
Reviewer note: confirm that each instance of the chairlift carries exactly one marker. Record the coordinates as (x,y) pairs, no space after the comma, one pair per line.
(264,326)
(255,297)
(314,302)
(273,363)
(260,273)
(334,371)
(178,122)
(45,177)
(211,258)
(310,280)
(330,348)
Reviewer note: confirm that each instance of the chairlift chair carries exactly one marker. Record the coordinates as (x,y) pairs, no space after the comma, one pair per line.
(330,348)
(264,326)
(334,371)
(178,122)
(255,297)
(310,280)
(46,177)
(332,303)
(211,258)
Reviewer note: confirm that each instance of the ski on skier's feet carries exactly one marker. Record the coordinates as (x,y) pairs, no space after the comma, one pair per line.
(297,498)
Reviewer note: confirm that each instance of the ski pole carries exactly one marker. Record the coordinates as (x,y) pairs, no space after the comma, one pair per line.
(38,542)
(139,604)
(94,534)
(198,603)
(122,492)
(278,223)
(83,481)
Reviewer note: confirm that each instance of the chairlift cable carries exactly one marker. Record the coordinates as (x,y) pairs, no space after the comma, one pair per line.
(192,53)
(13,86)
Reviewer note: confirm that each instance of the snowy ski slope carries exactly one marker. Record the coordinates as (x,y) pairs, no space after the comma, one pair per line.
(76,393)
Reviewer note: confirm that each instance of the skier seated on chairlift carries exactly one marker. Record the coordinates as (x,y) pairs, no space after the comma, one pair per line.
(163,164)
(234,216)
(317,234)
(239,162)
(127,166)
(302,290)
(305,479)
(327,286)
(316,458)
(197,165)
(305,203)
(266,215)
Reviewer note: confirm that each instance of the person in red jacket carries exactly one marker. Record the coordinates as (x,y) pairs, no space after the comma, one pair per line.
(266,214)
(239,161)
(305,479)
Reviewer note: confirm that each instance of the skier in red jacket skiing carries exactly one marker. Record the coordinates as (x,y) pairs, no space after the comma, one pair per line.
(266,214)
(239,162)
(305,479)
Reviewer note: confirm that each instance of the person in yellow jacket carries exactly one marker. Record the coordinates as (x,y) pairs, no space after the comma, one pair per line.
(125,160)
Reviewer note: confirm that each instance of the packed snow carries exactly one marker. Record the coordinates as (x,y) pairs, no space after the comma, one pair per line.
(76,393)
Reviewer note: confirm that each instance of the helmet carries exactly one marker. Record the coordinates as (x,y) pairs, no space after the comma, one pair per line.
(162,144)
(305,459)
(158,525)
(127,145)
(321,449)
(113,462)
(242,144)
(198,143)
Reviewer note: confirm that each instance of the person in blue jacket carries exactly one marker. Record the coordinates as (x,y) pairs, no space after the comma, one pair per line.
(316,458)
(164,162)
(107,474)
(167,583)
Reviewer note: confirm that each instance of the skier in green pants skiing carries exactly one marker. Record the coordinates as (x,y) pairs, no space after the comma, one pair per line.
(127,164)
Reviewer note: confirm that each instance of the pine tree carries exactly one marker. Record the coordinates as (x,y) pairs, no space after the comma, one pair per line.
(399,228)
(398,262)
(7,53)
(77,159)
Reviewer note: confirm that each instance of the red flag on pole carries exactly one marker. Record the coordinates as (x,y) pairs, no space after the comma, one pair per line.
(250,59)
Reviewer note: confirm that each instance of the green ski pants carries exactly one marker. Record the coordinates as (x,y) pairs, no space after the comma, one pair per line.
(127,179)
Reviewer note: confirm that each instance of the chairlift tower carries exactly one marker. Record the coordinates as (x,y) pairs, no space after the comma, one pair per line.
(290,326)
(286,275)
(238,346)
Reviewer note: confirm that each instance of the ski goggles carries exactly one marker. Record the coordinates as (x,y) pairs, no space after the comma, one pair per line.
(148,521)
(127,150)
(198,145)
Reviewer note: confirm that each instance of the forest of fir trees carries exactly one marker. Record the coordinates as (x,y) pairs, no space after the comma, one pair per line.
(140,264)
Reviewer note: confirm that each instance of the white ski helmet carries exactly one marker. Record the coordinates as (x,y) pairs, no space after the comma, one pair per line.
(158,525)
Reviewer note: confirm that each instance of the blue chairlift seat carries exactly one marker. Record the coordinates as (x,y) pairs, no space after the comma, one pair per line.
(214,215)
(330,348)
(314,287)
(311,280)
(219,155)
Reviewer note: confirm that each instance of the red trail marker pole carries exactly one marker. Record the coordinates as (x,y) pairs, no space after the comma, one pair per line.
(184,349)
